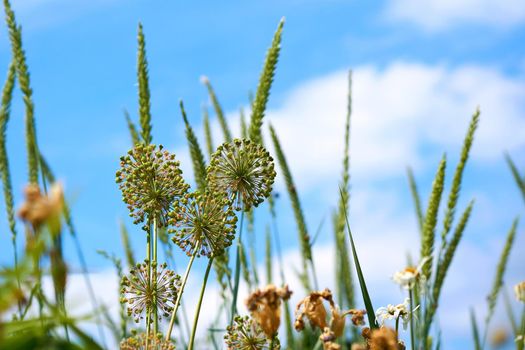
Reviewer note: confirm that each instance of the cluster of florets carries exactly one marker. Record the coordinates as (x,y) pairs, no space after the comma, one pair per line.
(204,222)
(244,170)
(142,290)
(151,181)
(246,334)
(145,341)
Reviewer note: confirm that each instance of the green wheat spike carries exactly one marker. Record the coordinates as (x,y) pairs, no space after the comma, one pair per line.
(345,269)
(515,173)
(218,110)
(7,94)
(427,240)
(124,236)
(207,132)
(498,280)
(416,198)
(15,35)
(268,255)
(265,84)
(458,175)
(135,138)
(245,266)
(144,93)
(304,238)
(197,158)
(451,248)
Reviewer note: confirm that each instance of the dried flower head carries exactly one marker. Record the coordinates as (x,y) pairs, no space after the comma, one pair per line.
(519,289)
(391,312)
(39,208)
(499,337)
(244,170)
(313,309)
(141,292)
(328,338)
(151,181)
(338,320)
(265,307)
(144,341)
(383,338)
(203,221)
(246,334)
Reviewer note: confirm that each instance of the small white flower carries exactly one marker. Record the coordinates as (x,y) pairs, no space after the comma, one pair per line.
(408,277)
(391,312)
(519,289)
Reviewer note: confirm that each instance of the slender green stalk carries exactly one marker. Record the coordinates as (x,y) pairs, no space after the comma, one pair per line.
(207,132)
(218,110)
(135,138)
(272,342)
(416,199)
(268,255)
(144,92)
(148,258)
(179,295)
(475,331)
(199,304)
(237,271)
(154,277)
(197,157)
(130,259)
(515,173)
(265,84)
(412,335)
(510,312)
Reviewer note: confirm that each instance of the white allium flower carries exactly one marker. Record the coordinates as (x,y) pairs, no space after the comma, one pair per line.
(408,277)
(391,312)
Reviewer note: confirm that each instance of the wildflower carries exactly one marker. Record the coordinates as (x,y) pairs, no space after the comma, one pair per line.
(203,220)
(313,309)
(244,170)
(328,338)
(391,312)
(145,341)
(338,320)
(408,277)
(39,208)
(519,289)
(151,181)
(246,334)
(141,292)
(383,338)
(265,307)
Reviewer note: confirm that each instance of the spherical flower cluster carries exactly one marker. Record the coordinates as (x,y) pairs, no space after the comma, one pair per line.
(145,341)
(151,181)
(244,170)
(141,292)
(246,334)
(204,222)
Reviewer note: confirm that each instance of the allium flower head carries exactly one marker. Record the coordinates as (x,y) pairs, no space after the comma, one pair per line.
(246,334)
(519,290)
(144,341)
(265,307)
(244,170)
(151,181)
(203,220)
(141,292)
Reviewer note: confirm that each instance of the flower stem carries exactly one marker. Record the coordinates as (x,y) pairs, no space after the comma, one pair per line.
(197,312)
(154,277)
(412,338)
(237,270)
(148,309)
(397,326)
(272,343)
(179,295)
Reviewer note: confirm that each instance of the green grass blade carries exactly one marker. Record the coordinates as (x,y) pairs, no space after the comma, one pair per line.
(304,238)
(218,110)
(265,84)
(207,132)
(428,238)
(197,158)
(15,35)
(268,255)
(124,236)
(244,127)
(144,92)
(510,311)
(416,199)
(515,173)
(135,138)
(475,331)
(364,290)
(498,279)
(456,181)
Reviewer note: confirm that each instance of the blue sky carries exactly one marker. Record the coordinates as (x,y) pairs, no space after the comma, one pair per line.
(421,68)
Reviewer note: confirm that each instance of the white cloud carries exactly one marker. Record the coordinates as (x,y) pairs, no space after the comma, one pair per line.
(434,15)
(399,113)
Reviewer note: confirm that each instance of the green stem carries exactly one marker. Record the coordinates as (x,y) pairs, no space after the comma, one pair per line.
(179,295)
(199,304)
(154,277)
(237,270)
(412,340)
(397,326)
(272,343)
(148,259)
